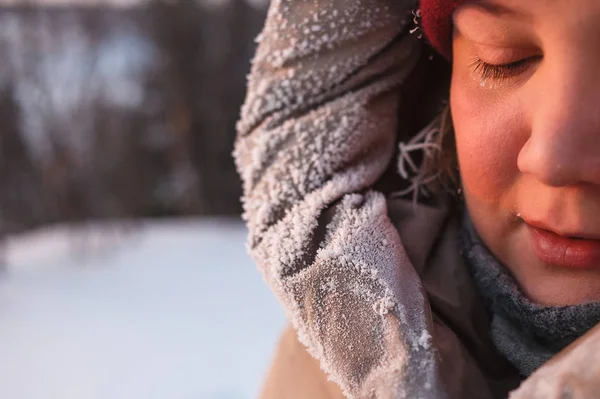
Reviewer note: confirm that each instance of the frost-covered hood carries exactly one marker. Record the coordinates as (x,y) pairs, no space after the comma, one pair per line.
(335,85)
(318,128)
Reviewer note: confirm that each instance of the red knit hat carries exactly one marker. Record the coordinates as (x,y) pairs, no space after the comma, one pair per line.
(436,19)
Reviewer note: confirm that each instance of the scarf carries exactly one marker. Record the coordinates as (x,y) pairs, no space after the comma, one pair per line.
(526,333)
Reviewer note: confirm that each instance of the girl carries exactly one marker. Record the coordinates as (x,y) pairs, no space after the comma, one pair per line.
(466,274)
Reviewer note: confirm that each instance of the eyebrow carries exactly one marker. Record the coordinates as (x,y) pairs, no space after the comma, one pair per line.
(499,10)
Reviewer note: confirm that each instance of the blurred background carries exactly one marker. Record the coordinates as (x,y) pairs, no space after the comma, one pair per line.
(123,272)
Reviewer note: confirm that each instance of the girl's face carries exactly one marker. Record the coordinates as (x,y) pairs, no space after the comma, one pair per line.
(525,100)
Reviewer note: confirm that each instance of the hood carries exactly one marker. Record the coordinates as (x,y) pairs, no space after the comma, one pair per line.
(335,86)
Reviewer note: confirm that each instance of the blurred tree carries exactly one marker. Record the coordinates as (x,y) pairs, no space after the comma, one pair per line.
(121,113)
(207,53)
(19,179)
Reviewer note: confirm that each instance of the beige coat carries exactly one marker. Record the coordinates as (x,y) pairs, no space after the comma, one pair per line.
(296,375)
(375,288)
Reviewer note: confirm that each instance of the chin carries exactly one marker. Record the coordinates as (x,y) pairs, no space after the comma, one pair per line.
(542,282)
(549,285)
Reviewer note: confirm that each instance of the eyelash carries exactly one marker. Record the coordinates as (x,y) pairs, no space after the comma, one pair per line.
(502,71)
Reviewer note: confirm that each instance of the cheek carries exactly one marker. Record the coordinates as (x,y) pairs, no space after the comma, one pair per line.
(489,135)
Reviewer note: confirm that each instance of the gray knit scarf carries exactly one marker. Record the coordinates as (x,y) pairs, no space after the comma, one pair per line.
(527,334)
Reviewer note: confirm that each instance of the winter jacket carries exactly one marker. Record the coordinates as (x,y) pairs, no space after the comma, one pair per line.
(374,285)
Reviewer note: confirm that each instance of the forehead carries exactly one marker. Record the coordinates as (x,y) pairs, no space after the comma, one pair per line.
(532,8)
(573,18)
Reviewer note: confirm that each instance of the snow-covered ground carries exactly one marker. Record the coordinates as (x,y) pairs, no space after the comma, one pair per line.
(173,309)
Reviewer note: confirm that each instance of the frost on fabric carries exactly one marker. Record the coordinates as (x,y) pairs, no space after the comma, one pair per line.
(317,130)
(572,375)
(424,339)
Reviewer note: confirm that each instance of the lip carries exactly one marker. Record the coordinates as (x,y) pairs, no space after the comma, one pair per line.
(577,251)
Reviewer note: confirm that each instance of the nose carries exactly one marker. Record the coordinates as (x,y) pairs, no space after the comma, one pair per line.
(563,148)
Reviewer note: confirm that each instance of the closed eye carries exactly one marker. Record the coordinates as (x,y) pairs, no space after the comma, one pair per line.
(501,71)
